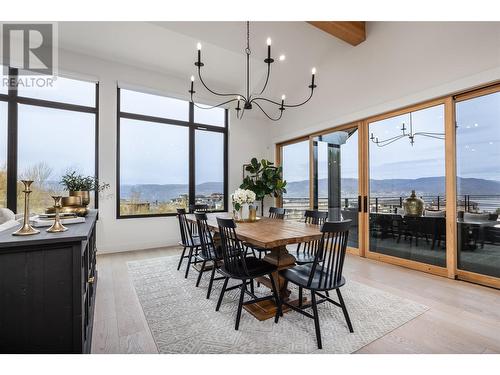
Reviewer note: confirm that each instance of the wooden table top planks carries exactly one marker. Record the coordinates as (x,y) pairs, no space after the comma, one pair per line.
(267,233)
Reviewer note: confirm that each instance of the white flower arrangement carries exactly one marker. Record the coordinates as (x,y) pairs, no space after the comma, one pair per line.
(242,196)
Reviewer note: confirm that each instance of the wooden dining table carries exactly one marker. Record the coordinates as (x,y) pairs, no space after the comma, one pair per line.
(275,235)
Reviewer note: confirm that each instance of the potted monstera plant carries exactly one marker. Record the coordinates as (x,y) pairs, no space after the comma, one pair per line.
(264,179)
(81,186)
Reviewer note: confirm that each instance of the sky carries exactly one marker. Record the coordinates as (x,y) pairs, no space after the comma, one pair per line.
(478,146)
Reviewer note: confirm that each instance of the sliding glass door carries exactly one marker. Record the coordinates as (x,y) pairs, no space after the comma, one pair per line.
(478,183)
(295,162)
(407,217)
(421,184)
(335,177)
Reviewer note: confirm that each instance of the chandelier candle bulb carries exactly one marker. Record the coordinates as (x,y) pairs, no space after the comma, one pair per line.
(239,99)
(313,74)
(198,46)
(192,84)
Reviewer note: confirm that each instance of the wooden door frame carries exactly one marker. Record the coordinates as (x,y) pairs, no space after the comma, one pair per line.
(449,101)
(278,160)
(430,268)
(462,274)
(356,124)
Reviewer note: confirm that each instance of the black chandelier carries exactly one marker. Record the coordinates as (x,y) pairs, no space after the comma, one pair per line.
(411,136)
(249,99)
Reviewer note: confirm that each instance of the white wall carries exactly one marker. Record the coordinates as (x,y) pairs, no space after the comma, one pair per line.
(245,141)
(400,63)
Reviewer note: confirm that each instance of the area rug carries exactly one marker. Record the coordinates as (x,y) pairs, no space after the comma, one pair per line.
(182,320)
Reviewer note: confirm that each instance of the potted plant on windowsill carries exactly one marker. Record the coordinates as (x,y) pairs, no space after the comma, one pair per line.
(264,179)
(80,186)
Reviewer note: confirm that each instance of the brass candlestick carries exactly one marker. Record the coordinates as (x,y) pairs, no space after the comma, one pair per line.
(57,226)
(26,229)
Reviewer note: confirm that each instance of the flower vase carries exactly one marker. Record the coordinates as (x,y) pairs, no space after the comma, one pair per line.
(236,214)
(245,211)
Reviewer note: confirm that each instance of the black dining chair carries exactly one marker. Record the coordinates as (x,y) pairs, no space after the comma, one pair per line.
(237,266)
(306,251)
(324,274)
(274,213)
(188,240)
(209,251)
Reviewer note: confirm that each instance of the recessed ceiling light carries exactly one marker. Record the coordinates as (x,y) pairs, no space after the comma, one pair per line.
(476,125)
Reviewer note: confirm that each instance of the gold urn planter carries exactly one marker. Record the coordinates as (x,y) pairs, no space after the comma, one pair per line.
(84,195)
(413,205)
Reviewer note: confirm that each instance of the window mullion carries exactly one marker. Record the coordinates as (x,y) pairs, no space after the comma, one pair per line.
(192,156)
(226,159)
(12,147)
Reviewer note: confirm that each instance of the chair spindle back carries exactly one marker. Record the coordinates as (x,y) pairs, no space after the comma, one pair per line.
(317,218)
(232,249)
(206,239)
(277,213)
(198,207)
(185,228)
(330,256)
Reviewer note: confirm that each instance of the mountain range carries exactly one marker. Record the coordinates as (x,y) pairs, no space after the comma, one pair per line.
(163,193)
(349,187)
(399,187)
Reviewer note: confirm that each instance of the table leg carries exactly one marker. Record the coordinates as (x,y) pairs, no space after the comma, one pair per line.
(279,257)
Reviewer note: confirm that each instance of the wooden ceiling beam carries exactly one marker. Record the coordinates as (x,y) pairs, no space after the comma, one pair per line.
(352,32)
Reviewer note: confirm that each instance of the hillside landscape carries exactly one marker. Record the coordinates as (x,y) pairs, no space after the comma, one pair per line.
(399,187)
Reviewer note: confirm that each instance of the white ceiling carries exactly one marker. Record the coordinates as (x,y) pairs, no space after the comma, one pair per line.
(170,47)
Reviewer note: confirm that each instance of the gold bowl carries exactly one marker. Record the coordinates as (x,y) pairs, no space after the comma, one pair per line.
(74,201)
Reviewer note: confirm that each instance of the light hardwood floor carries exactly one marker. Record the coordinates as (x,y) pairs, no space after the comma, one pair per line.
(463,317)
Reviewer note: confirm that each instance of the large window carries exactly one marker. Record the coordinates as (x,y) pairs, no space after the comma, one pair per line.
(47,149)
(166,159)
(209,164)
(56,131)
(478,184)
(295,162)
(428,192)
(398,168)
